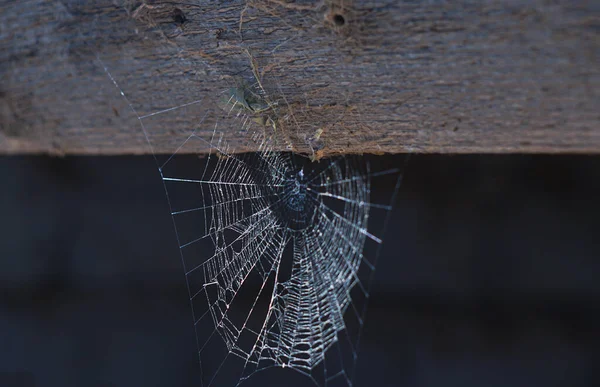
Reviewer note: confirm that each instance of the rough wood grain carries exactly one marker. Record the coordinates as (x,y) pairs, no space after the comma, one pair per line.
(340,76)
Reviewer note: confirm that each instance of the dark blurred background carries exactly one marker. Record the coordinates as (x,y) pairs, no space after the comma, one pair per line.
(489,276)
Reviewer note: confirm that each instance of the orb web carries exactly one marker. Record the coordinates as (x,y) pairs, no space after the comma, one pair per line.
(278,251)
(273,253)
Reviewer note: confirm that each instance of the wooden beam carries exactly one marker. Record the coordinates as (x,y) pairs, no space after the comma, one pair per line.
(321,77)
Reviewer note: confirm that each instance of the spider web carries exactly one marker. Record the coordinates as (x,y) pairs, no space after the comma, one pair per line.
(278,251)
(273,247)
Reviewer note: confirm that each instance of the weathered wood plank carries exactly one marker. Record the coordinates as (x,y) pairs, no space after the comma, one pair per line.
(339,77)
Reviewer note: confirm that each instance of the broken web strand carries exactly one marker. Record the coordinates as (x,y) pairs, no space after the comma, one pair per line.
(286,338)
(146,136)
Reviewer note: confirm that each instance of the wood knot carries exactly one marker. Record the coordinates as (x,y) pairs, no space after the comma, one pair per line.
(338,19)
(178,17)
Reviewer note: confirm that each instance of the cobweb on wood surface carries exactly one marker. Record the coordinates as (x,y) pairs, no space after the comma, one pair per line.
(279,250)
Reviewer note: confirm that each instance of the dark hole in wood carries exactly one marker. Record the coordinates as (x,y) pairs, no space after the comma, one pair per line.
(178,16)
(339,20)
